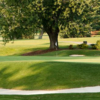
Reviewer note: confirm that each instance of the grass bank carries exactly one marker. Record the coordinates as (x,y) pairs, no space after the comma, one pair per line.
(41,75)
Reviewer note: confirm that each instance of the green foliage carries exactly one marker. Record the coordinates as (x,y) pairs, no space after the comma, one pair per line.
(64,35)
(71,47)
(93,46)
(14,22)
(76,29)
(83,46)
(98,44)
(52,15)
(96,16)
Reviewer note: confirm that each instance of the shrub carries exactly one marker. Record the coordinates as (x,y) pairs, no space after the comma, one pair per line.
(71,47)
(93,46)
(88,35)
(83,46)
(98,44)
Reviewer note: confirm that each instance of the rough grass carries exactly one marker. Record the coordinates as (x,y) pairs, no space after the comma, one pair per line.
(90,96)
(48,75)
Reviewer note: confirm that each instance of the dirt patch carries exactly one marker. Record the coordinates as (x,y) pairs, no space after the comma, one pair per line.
(38,52)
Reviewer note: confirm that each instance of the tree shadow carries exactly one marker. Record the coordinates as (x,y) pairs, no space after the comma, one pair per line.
(28,50)
(51,75)
(4,76)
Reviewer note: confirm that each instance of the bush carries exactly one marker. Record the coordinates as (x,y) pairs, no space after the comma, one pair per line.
(93,46)
(71,47)
(98,44)
(88,35)
(83,46)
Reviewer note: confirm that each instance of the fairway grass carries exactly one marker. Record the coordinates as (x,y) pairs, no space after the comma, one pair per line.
(43,75)
(84,96)
(19,47)
(76,59)
(64,53)
(50,71)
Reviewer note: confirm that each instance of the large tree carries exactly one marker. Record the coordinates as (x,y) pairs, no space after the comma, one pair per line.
(51,15)
(96,16)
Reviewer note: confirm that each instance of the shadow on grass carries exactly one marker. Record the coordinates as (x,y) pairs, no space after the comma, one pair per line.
(49,75)
(68,52)
(29,50)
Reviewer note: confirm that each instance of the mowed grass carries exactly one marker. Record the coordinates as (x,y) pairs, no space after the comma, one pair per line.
(90,96)
(49,73)
(64,53)
(23,46)
(84,59)
(42,75)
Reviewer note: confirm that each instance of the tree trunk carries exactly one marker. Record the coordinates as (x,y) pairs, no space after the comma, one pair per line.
(53,37)
(52,32)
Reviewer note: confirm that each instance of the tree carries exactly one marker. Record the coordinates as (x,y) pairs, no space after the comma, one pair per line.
(96,16)
(14,24)
(52,15)
(76,29)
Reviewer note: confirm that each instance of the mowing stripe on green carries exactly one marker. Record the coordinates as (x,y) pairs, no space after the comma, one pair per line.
(48,58)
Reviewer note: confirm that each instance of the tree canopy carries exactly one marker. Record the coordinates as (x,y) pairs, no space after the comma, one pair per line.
(24,16)
(96,16)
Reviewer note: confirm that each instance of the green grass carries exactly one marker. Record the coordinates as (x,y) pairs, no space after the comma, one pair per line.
(90,96)
(47,72)
(88,39)
(64,53)
(41,75)
(22,46)
(84,59)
